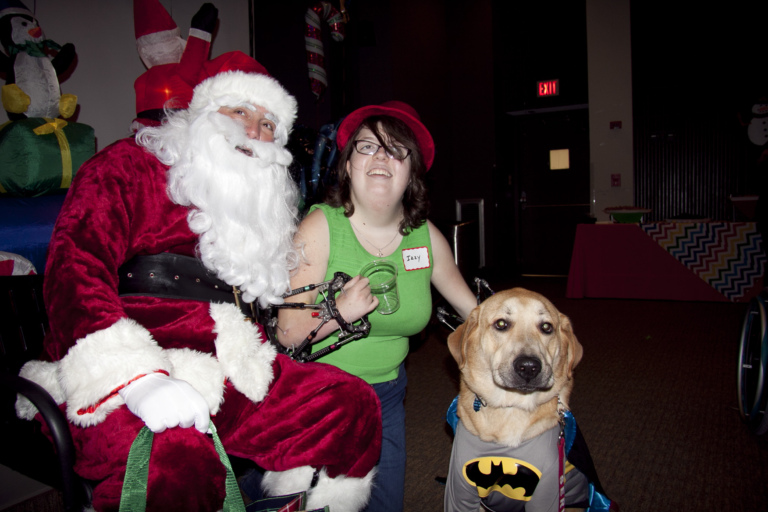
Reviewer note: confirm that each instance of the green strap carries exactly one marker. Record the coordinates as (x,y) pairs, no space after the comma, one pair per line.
(134,497)
(233,502)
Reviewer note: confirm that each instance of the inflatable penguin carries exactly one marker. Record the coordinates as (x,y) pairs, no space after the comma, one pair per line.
(31,73)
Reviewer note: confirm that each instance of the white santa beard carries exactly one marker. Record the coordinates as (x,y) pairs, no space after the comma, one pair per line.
(243,208)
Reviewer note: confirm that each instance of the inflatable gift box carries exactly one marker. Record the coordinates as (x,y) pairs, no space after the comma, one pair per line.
(40,156)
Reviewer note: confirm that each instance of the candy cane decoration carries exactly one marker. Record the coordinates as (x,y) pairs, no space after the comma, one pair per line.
(318,79)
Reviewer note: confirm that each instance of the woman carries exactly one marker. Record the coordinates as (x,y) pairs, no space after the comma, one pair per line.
(378,210)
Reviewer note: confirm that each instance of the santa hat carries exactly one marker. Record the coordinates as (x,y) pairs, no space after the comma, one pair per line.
(396,109)
(234,79)
(158,38)
(8,7)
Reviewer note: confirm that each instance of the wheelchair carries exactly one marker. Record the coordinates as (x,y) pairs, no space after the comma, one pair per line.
(752,365)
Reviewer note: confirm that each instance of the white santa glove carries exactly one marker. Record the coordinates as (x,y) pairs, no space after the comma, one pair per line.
(164,402)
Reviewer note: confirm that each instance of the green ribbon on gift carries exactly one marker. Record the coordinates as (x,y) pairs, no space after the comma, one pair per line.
(134,496)
(56,126)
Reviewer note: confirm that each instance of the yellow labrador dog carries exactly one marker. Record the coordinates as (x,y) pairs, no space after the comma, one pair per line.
(516,353)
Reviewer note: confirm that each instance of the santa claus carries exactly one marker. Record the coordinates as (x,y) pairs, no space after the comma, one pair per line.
(163,247)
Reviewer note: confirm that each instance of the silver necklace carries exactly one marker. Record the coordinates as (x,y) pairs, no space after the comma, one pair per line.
(380,249)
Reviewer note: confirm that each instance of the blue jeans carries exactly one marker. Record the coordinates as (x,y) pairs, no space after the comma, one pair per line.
(389,485)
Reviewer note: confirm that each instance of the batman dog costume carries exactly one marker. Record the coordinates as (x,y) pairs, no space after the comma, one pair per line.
(517,447)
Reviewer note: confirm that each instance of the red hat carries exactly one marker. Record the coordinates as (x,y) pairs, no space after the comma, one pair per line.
(150,17)
(398,110)
(158,39)
(231,61)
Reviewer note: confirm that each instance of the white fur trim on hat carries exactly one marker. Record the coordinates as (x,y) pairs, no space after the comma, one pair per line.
(158,48)
(233,88)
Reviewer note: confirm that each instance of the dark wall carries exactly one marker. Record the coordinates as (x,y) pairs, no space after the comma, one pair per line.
(695,71)
(696,75)
(435,55)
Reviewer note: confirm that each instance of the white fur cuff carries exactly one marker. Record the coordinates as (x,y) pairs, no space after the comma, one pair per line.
(340,494)
(42,374)
(244,356)
(200,370)
(102,361)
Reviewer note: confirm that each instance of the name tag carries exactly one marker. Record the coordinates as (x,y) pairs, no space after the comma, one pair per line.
(416,258)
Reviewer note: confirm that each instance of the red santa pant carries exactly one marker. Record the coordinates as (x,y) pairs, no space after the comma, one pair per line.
(314,415)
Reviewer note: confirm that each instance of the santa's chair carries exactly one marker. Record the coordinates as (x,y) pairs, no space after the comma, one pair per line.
(23,324)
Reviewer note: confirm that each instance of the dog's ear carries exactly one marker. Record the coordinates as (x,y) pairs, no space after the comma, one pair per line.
(575,350)
(457,340)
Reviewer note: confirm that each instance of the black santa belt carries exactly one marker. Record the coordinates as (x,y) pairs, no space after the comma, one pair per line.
(174,276)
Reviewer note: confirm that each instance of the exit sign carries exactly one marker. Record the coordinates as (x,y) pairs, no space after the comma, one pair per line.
(549,88)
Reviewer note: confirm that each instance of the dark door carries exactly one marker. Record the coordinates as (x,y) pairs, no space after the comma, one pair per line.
(545,204)
(541,93)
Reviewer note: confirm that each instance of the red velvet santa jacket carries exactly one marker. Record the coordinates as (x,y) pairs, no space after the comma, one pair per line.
(118,208)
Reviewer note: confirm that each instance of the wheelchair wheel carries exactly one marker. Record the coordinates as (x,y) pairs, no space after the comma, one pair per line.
(753,363)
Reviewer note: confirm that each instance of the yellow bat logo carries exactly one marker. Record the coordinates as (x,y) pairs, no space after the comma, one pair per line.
(514,478)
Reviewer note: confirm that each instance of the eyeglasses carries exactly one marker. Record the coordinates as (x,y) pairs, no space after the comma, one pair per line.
(365,147)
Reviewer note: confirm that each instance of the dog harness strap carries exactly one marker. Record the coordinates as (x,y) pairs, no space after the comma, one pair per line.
(561,476)
(561,412)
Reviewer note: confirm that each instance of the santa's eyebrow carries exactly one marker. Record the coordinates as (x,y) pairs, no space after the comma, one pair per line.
(271,117)
(244,105)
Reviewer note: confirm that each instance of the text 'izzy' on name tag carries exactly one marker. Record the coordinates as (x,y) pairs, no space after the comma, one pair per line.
(416,258)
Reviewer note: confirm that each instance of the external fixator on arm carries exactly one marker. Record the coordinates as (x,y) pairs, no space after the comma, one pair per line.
(327,311)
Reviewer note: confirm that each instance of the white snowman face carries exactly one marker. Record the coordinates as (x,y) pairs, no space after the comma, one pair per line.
(758,126)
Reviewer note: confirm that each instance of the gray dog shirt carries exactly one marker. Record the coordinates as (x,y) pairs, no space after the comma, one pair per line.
(490,476)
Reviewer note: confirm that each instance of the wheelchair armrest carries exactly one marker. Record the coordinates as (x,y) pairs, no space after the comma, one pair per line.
(59,427)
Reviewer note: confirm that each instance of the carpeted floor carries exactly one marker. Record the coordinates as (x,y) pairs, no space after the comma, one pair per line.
(655,396)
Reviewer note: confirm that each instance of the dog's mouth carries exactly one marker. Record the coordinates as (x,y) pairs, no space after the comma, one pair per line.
(528,389)
(517,385)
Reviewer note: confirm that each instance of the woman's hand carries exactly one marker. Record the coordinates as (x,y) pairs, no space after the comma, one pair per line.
(356,299)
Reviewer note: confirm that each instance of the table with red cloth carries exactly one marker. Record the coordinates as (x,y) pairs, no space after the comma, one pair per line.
(706,261)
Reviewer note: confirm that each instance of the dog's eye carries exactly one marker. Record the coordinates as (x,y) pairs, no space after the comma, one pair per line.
(501,325)
(547,328)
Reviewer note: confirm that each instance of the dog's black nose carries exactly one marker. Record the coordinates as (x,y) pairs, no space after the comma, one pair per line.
(527,367)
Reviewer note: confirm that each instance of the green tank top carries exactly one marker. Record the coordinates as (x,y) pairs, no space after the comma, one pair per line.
(377,357)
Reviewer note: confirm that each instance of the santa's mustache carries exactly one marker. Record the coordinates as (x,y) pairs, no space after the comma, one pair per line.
(235,136)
